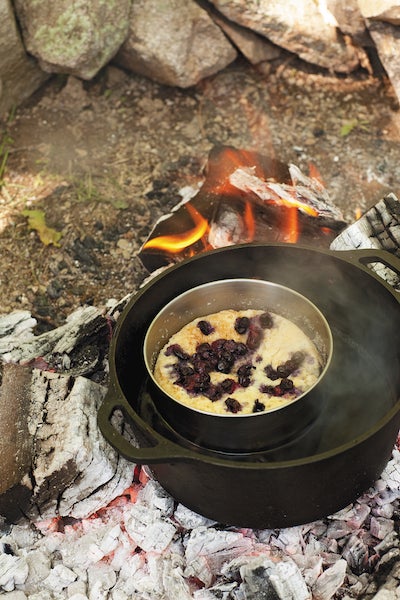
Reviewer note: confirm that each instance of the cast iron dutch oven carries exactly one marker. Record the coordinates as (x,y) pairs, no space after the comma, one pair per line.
(330,461)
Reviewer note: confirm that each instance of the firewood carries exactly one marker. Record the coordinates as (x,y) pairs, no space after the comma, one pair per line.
(378,228)
(55,460)
(16,448)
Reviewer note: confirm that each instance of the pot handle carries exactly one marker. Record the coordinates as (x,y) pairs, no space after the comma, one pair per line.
(161,452)
(364,257)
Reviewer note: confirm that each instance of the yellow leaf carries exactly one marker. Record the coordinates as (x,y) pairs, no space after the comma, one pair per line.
(348,127)
(37,222)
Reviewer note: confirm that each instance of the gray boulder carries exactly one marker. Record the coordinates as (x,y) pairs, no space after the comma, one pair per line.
(350,20)
(387,41)
(20,74)
(78,37)
(381,10)
(174,43)
(301,27)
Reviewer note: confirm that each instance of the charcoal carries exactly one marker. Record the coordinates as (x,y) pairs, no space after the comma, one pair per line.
(264,579)
(207,549)
(13,571)
(391,474)
(189,519)
(39,564)
(381,527)
(329,581)
(101,578)
(147,529)
(221,591)
(358,515)
(356,553)
(59,578)
(155,496)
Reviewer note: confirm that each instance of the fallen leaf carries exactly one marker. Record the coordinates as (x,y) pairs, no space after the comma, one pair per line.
(37,222)
(348,127)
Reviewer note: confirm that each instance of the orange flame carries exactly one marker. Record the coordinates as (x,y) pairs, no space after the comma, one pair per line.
(251,195)
(291,203)
(234,159)
(180,241)
(290,228)
(314,173)
(249,221)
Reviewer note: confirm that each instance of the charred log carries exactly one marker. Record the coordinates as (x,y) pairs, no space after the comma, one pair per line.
(56,462)
(378,228)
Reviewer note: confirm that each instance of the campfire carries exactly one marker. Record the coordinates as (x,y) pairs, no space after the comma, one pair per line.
(79,520)
(245,197)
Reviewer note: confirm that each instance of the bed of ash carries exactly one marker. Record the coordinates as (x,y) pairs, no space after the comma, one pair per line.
(145,546)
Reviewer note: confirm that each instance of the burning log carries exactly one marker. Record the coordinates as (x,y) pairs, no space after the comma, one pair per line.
(78,347)
(15,443)
(378,228)
(305,194)
(245,197)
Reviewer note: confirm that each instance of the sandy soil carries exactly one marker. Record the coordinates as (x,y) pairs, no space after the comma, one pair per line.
(104,160)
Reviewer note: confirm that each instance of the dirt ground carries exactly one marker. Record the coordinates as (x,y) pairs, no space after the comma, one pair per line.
(103,160)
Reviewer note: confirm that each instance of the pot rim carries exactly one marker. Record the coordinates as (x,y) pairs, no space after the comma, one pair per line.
(326,357)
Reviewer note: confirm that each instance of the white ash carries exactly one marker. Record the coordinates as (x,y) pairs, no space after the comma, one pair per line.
(378,228)
(71,455)
(330,581)
(59,340)
(188,519)
(16,326)
(68,349)
(145,547)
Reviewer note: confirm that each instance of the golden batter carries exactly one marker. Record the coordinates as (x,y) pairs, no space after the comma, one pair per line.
(238,362)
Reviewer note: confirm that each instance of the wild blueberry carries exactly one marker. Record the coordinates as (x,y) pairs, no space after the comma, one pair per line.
(242,324)
(233,405)
(258,406)
(205,327)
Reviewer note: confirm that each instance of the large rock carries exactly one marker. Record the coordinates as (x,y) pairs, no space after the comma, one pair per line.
(382,10)
(20,75)
(300,27)
(78,37)
(174,43)
(387,41)
(253,46)
(350,20)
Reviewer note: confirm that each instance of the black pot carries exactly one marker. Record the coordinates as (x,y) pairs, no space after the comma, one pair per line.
(340,454)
